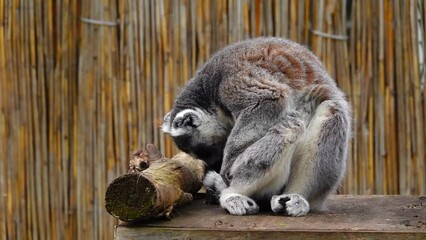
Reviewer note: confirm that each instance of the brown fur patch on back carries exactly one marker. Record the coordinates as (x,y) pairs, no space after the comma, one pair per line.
(294,67)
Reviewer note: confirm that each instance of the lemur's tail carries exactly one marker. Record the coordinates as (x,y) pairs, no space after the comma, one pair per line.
(214,181)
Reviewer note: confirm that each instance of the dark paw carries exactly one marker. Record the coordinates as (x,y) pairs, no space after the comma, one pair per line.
(212,197)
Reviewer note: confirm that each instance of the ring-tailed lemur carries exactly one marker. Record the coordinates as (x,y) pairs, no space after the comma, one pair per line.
(267,115)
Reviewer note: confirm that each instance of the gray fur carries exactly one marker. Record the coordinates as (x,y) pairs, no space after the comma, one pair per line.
(266,114)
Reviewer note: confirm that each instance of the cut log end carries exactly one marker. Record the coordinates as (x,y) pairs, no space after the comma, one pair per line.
(131,197)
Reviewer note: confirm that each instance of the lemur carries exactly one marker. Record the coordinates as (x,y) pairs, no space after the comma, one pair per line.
(266,115)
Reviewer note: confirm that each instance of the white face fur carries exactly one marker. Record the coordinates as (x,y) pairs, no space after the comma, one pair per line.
(209,126)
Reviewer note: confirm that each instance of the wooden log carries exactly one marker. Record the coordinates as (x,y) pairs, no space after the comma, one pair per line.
(154,185)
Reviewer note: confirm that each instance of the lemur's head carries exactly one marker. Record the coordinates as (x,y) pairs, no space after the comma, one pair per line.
(198,133)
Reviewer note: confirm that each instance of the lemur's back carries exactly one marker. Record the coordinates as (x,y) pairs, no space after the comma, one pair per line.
(274,67)
(288,62)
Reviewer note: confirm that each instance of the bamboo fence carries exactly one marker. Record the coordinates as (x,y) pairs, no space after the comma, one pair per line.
(83,84)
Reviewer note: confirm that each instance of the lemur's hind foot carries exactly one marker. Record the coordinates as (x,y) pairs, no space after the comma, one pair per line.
(290,204)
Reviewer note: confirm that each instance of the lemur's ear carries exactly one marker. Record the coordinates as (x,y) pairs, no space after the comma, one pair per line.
(186,118)
(183,122)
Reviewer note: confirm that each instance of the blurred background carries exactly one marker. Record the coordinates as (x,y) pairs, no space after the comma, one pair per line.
(84,84)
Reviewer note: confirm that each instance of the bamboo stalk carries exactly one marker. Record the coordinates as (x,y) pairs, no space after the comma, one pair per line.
(4,102)
(417,102)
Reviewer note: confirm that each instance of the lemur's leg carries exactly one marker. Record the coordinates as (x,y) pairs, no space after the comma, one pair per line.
(318,162)
(254,164)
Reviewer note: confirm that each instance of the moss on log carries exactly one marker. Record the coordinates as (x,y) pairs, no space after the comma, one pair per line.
(154,185)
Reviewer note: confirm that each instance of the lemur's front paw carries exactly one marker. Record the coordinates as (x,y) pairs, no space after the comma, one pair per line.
(214,181)
(238,204)
(290,204)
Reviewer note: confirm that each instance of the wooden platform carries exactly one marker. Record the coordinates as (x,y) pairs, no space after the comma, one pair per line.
(354,217)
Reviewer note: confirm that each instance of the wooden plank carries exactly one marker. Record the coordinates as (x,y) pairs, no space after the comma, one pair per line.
(171,233)
(361,217)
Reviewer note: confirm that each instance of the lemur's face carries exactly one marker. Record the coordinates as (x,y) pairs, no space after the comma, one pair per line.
(199,134)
